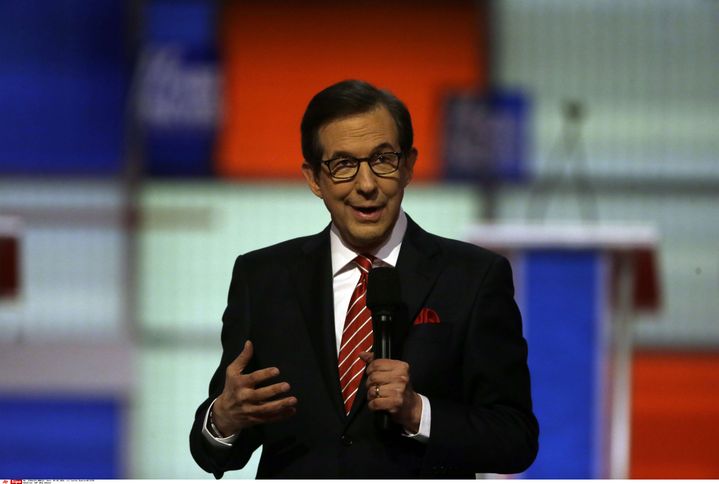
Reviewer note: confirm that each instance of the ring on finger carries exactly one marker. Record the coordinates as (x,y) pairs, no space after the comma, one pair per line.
(376,391)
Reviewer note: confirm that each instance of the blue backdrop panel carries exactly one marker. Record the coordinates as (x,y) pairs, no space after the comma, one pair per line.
(63,83)
(62,438)
(561,311)
(179,87)
(485,136)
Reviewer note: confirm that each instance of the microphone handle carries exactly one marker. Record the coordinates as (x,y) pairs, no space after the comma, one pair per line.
(385,337)
(382,419)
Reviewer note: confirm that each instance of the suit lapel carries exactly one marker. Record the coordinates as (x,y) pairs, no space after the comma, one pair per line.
(312,276)
(419,265)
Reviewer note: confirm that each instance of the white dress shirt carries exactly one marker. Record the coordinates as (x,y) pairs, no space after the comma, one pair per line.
(345,275)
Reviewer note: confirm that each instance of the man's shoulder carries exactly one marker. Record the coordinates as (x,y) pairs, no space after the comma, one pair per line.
(463,262)
(289,248)
(455,249)
(468,257)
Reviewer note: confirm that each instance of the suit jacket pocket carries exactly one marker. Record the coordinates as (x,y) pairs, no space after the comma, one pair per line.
(429,331)
(432,358)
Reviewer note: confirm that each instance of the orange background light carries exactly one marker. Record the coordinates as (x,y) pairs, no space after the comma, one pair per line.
(277,55)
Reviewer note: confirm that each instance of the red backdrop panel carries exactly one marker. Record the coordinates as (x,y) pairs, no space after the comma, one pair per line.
(675,415)
(278,54)
(9,266)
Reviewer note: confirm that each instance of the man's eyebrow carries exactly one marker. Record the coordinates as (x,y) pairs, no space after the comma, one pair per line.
(376,149)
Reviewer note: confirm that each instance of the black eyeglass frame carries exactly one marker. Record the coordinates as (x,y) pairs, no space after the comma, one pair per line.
(368,159)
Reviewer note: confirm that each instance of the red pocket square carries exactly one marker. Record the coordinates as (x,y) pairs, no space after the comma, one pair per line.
(427,316)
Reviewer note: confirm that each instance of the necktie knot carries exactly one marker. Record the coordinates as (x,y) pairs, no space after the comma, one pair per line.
(364,262)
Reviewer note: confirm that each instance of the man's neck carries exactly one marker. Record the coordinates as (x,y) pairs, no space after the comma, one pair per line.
(387,251)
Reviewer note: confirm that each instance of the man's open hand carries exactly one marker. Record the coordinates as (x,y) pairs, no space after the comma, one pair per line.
(242,405)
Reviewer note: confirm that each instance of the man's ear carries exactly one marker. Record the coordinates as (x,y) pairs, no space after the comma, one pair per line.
(409,161)
(312,181)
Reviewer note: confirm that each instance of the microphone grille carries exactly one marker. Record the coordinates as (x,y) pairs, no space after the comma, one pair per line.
(383,289)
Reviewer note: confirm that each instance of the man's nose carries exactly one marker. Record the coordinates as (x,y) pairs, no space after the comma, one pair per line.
(365,180)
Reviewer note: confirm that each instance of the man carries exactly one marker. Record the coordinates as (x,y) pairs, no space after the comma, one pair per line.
(297,375)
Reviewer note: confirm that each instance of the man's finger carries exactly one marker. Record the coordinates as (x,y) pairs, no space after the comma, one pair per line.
(270,392)
(243,358)
(384,364)
(269,409)
(382,376)
(366,356)
(281,415)
(385,378)
(259,376)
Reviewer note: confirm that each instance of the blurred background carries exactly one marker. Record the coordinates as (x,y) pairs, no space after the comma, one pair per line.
(145,144)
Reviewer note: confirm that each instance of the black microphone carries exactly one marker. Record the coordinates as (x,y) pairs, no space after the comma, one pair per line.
(384,301)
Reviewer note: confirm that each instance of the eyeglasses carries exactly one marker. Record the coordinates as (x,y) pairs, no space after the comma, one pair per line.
(347,167)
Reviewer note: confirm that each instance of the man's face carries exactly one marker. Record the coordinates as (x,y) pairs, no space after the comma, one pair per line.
(365,208)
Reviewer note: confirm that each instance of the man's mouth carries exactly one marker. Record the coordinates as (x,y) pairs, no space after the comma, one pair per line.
(367,213)
(367,209)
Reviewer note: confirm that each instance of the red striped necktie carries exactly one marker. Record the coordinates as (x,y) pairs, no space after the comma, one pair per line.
(356,335)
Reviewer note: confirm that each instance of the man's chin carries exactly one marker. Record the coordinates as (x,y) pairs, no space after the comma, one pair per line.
(368,240)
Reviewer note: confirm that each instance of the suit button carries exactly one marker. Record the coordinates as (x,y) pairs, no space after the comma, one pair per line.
(346,441)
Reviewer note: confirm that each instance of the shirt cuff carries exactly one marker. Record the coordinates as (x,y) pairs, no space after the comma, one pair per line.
(221,442)
(425,422)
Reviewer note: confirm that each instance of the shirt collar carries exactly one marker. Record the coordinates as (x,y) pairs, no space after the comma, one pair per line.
(387,253)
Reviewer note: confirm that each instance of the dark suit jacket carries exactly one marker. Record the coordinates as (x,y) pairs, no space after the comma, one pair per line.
(471,366)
